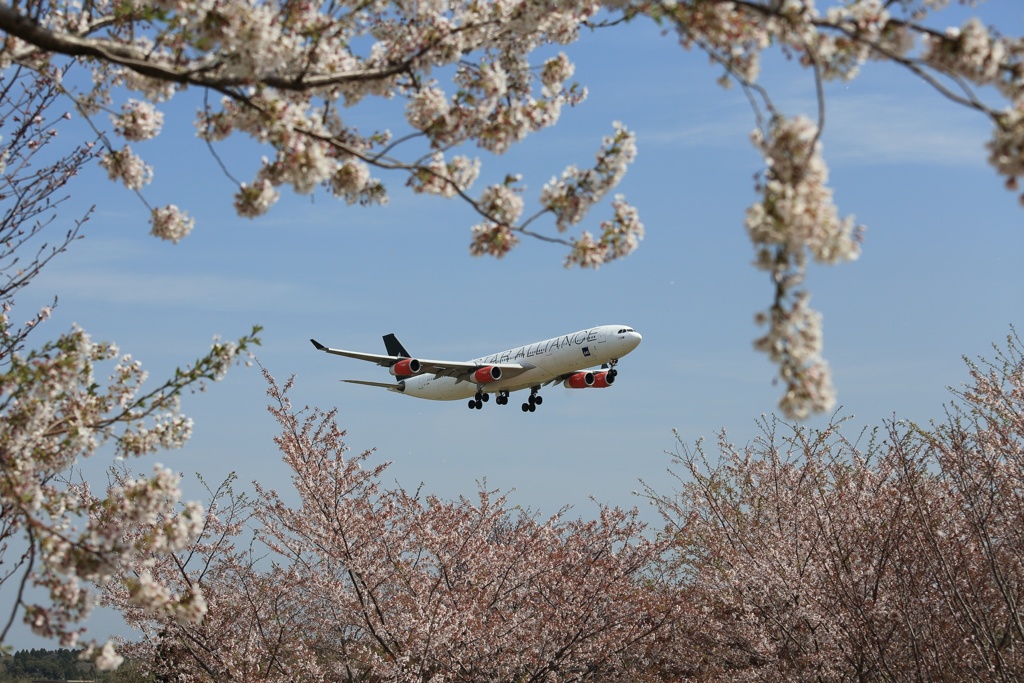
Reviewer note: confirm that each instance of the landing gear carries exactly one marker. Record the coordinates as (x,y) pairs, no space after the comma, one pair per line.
(478,401)
(612,372)
(534,401)
(501,398)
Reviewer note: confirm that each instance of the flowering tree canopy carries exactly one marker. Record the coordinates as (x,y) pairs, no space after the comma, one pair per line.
(53,414)
(363,583)
(814,557)
(283,73)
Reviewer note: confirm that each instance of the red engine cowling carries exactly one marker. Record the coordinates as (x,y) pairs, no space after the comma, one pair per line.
(406,367)
(486,374)
(603,380)
(579,380)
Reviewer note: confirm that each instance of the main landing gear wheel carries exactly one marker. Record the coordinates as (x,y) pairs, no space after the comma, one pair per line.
(532,402)
(477,402)
(502,398)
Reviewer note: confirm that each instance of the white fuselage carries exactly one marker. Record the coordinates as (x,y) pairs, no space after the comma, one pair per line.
(547,360)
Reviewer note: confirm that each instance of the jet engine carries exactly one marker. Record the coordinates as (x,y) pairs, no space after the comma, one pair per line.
(603,379)
(406,367)
(579,380)
(486,374)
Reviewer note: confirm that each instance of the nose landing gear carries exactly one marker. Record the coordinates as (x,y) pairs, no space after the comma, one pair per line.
(612,372)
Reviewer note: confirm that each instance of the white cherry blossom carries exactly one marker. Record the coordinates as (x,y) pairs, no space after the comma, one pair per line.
(171,224)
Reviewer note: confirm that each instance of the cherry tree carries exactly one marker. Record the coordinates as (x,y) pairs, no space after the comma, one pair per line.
(364,583)
(56,408)
(979,451)
(56,535)
(809,556)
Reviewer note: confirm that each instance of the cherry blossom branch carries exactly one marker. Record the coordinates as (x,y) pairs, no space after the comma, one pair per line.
(139,61)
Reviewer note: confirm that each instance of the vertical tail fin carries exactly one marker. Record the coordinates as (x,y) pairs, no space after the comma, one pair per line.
(395,347)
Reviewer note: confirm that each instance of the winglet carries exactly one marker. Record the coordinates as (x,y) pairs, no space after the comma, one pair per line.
(318,345)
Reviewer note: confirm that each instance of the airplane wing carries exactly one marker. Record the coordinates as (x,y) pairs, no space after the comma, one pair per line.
(558,379)
(459,370)
(379,359)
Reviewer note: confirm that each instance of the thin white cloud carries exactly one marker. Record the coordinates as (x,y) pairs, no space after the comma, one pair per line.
(878,129)
(731,131)
(870,129)
(200,292)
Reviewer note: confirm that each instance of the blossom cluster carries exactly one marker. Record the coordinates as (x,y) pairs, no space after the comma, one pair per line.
(445,177)
(619,237)
(170,223)
(978,55)
(797,211)
(971,51)
(570,197)
(492,239)
(128,167)
(794,343)
(503,205)
(503,202)
(353,183)
(796,215)
(255,199)
(138,121)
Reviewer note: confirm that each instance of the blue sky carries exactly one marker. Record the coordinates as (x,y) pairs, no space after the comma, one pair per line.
(940,277)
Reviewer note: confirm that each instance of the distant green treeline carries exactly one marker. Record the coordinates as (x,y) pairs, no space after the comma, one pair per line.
(29,666)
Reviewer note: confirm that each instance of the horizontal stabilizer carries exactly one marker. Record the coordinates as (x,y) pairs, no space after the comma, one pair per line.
(383,385)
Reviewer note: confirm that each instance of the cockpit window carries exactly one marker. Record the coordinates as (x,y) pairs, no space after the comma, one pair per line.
(624,330)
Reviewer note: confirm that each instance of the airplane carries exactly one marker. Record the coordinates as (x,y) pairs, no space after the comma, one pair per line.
(566,359)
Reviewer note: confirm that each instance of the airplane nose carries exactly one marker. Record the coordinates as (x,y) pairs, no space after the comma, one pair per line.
(635,338)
